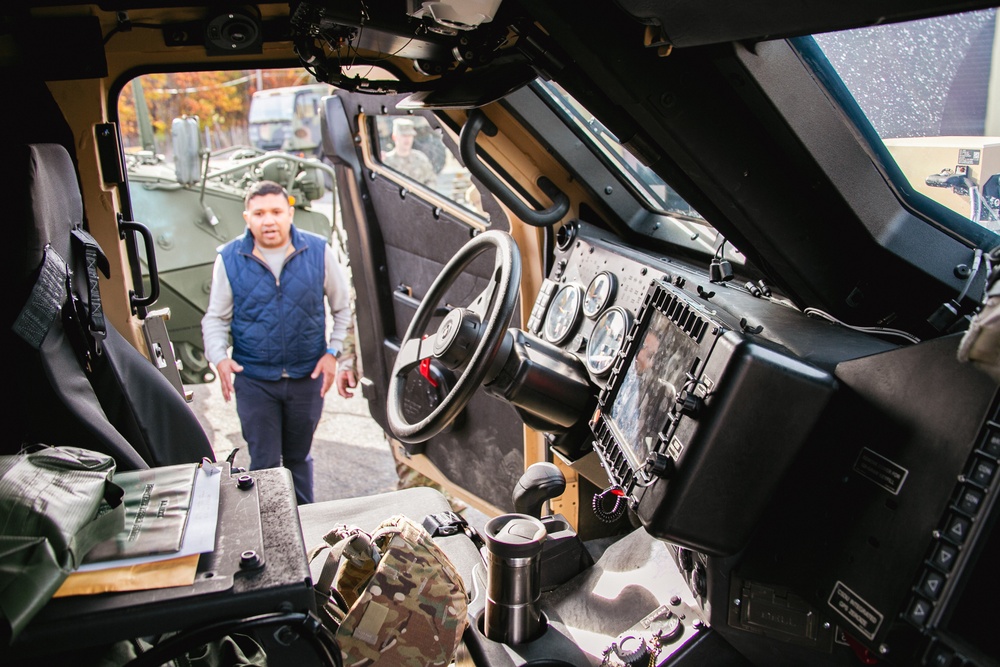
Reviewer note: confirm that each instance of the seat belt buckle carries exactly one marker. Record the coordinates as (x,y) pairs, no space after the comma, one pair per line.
(445,524)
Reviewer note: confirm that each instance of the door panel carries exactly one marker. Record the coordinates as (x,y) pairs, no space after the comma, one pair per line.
(399,239)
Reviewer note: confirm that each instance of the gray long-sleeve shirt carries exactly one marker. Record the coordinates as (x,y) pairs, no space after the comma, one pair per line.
(216,323)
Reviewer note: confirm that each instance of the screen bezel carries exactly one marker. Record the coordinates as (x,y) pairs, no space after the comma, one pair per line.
(690,320)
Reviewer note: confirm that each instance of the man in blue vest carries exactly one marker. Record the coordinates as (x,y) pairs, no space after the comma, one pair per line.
(268,291)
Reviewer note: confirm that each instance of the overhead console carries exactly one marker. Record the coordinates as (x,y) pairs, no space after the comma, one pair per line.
(686,428)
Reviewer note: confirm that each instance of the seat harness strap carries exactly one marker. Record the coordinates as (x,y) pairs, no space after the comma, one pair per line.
(45,301)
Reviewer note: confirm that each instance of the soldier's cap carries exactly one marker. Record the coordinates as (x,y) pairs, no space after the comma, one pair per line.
(402,126)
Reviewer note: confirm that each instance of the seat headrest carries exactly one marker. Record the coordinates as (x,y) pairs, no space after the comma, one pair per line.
(54,206)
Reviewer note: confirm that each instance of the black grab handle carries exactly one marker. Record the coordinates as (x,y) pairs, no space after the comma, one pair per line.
(477,122)
(140,303)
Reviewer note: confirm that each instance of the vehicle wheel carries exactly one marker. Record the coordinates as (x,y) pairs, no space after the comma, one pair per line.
(195,368)
(467,340)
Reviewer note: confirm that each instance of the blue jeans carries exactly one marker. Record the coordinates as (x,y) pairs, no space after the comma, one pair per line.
(279,418)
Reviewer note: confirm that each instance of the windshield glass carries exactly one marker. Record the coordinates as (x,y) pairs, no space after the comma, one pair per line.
(930,105)
(657,194)
(672,214)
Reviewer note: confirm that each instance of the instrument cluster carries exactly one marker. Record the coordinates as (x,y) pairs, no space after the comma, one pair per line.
(589,304)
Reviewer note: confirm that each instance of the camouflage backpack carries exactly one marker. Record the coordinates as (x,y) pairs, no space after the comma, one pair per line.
(391,596)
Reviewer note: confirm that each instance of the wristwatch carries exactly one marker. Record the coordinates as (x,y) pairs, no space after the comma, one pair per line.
(334,351)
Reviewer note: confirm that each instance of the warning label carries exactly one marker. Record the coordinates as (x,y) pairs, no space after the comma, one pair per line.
(861,615)
(968,156)
(880,470)
(675,448)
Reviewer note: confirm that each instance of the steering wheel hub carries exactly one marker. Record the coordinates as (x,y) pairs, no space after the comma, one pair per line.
(457,337)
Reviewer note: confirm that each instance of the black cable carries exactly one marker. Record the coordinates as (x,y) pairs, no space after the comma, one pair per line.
(720,251)
(327,647)
(973,272)
(128,26)
(307,625)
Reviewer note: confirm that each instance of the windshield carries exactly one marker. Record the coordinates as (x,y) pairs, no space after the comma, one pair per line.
(929,104)
(659,196)
(670,213)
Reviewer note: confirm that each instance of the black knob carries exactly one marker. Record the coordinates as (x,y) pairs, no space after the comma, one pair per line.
(660,465)
(689,403)
(540,482)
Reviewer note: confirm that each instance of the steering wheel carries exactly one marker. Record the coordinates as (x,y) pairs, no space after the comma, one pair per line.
(468,338)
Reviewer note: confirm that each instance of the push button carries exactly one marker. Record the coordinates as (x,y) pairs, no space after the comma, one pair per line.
(991,445)
(969,500)
(958,529)
(944,557)
(920,612)
(932,584)
(982,471)
(939,655)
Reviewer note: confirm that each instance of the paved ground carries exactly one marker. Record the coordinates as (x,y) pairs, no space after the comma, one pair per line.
(351,455)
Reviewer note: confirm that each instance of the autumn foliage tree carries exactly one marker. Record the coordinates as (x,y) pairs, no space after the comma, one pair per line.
(220,100)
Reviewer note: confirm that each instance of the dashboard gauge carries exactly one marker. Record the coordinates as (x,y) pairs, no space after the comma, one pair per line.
(563,314)
(599,294)
(607,340)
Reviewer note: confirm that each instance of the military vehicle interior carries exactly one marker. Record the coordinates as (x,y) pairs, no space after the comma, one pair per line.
(689,284)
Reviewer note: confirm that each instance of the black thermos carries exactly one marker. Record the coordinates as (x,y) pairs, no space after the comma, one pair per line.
(513,580)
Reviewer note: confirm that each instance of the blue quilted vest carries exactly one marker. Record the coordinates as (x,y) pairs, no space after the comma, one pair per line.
(279,326)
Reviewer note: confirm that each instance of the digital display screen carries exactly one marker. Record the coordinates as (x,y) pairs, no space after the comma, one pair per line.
(646,393)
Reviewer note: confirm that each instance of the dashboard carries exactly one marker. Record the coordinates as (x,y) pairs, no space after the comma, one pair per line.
(724,416)
(665,348)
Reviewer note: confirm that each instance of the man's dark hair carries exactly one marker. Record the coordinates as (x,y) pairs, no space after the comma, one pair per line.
(262,188)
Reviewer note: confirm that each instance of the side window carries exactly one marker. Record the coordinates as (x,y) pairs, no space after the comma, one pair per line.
(410,146)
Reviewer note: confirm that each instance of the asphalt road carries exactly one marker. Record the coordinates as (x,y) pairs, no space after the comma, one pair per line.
(352,457)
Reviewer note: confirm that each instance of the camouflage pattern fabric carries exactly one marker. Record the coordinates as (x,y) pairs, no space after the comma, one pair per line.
(415,164)
(409,478)
(395,600)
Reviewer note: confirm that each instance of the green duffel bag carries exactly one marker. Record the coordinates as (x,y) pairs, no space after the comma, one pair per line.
(56,503)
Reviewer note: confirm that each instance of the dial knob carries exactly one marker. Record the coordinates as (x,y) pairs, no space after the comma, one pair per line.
(633,651)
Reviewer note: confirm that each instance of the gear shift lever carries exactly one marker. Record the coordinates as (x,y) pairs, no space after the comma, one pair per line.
(540,482)
(563,554)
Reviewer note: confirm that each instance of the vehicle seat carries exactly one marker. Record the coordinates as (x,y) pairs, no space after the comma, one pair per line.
(123,405)
(368,512)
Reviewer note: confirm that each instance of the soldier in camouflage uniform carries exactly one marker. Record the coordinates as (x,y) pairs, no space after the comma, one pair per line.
(404,158)
(348,372)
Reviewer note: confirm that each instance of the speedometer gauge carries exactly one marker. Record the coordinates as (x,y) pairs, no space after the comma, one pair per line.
(607,340)
(562,315)
(599,293)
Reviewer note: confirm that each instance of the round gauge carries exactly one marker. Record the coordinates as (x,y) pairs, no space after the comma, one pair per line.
(607,339)
(563,314)
(599,294)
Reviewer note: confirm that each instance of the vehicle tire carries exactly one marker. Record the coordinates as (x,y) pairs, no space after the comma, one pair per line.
(194,366)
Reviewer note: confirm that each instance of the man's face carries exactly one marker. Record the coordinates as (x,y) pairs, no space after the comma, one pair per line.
(404,143)
(644,358)
(269,218)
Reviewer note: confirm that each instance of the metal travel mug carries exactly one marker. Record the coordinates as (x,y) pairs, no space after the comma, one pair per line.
(513,580)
